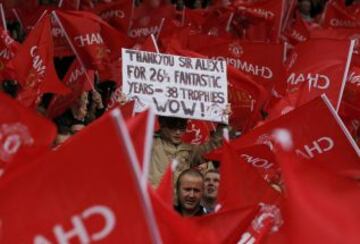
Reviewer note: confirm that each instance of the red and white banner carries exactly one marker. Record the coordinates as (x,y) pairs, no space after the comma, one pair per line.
(317,131)
(325,74)
(84,192)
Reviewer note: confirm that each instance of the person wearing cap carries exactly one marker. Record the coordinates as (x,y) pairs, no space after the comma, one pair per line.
(168,146)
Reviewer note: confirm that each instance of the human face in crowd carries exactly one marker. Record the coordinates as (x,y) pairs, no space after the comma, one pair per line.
(173,134)
(190,192)
(211,185)
(305,7)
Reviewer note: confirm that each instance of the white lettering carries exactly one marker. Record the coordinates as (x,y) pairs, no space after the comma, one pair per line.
(37,62)
(343,23)
(253,69)
(318,81)
(88,39)
(143,32)
(319,146)
(79,230)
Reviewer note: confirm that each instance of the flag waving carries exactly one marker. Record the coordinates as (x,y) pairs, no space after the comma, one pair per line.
(95,41)
(33,65)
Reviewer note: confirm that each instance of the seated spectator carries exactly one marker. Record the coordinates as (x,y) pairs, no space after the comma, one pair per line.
(211,186)
(168,145)
(189,192)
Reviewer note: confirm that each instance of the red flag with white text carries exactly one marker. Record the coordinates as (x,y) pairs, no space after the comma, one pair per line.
(97,43)
(95,198)
(24,134)
(33,65)
(77,80)
(326,73)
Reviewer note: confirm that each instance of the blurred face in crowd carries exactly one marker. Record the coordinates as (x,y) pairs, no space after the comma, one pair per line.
(190,192)
(305,7)
(211,184)
(173,130)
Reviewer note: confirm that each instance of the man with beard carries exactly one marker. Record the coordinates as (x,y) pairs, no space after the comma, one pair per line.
(211,186)
(189,192)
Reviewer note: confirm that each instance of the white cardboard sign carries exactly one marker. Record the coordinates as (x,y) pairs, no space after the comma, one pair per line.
(176,86)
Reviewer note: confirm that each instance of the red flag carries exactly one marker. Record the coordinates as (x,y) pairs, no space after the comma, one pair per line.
(326,73)
(272,11)
(238,181)
(317,131)
(33,65)
(229,225)
(297,31)
(77,80)
(149,21)
(8,48)
(61,44)
(96,197)
(165,190)
(176,229)
(259,157)
(336,16)
(141,129)
(24,134)
(314,206)
(247,99)
(261,61)
(197,132)
(97,43)
(29,14)
(117,14)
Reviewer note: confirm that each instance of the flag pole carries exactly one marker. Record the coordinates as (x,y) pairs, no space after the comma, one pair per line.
(3,19)
(60,3)
(18,19)
(155,43)
(73,49)
(160,28)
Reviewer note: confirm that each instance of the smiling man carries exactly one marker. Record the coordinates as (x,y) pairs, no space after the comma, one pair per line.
(189,192)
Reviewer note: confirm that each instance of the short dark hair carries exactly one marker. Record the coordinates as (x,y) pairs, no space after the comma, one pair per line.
(172,122)
(216,171)
(191,171)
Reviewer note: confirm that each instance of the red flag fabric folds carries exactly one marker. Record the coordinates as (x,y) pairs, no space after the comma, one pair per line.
(96,42)
(33,65)
(84,192)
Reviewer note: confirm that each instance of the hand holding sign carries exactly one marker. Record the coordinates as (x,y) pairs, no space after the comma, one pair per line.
(176,86)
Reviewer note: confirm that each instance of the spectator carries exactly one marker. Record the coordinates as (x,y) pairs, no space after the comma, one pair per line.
(211,186)
(168,145)
(305,7)
(189,192)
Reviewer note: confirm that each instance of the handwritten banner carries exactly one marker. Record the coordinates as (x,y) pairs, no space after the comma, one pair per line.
(176,86)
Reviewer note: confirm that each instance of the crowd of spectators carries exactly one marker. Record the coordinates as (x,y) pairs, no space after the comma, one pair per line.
(196,190)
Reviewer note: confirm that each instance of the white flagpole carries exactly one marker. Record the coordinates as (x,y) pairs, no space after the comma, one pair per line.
(3,19)
(155,43)
(228,24)
(73,49)
(18,19)
(42,16)
(124,135)
(60,3)
(160,28)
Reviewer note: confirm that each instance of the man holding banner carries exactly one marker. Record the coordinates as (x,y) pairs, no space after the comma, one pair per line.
(176,87)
